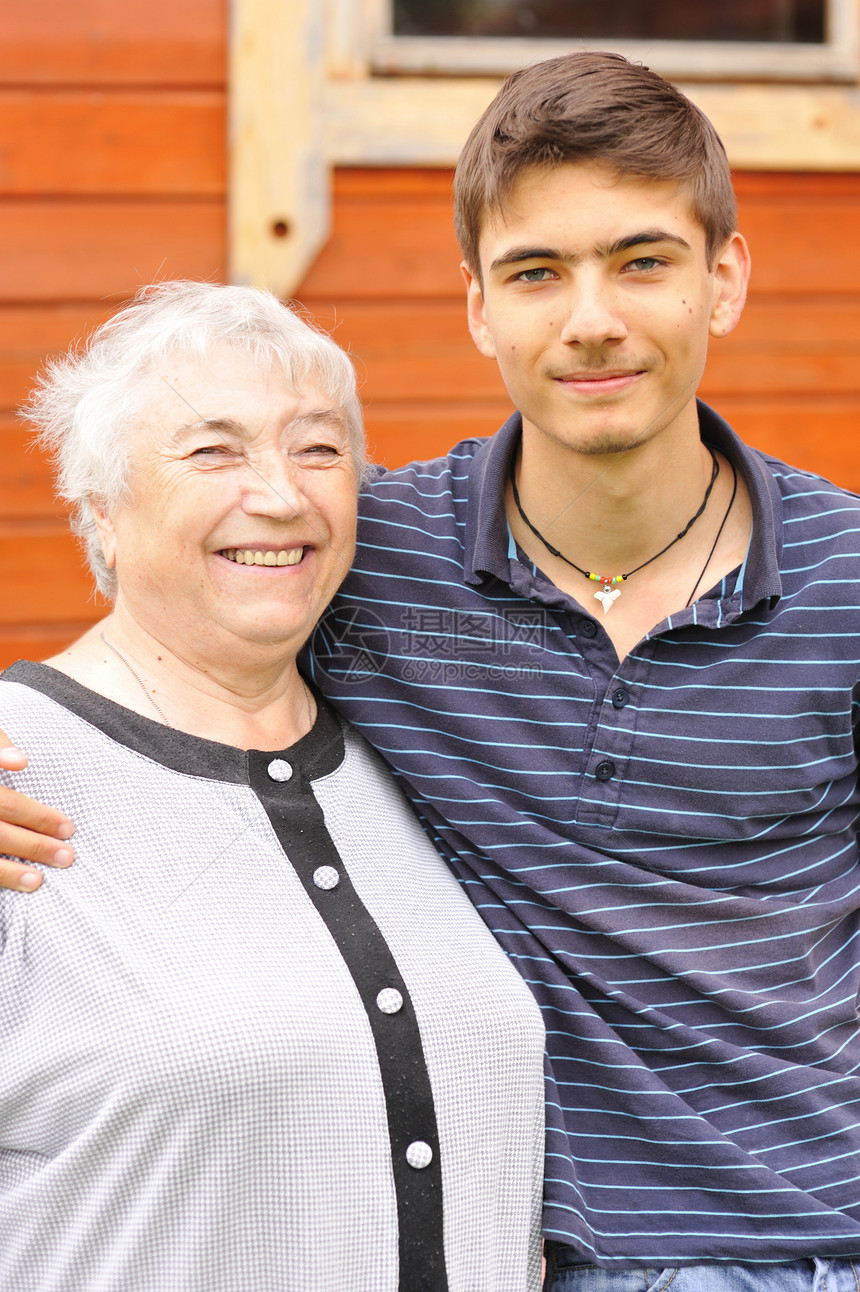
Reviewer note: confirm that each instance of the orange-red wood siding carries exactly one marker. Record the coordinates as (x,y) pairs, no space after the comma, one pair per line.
(113,173)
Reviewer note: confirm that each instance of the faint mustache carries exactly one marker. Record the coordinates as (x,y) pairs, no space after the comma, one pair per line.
(600,371)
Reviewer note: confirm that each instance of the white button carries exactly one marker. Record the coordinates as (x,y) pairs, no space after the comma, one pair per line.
(389,1000)
(419,1154)
(326,877)
(279,770)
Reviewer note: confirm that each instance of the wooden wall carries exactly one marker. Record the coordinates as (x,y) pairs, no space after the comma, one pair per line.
(113,173)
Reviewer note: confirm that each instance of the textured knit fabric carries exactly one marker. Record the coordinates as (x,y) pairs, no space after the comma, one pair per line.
(256,1039)
(665,846)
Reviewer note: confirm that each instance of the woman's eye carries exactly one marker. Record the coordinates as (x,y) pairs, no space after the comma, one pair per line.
(212,450)
(321,451)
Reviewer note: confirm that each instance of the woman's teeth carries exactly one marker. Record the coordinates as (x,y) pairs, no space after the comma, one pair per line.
(256,556)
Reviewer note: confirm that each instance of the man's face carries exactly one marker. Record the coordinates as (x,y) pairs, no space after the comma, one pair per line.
(597,303)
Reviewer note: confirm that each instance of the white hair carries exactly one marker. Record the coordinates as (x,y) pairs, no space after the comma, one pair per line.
(87,403)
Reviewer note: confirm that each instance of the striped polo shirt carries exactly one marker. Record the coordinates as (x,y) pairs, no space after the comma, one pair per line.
(665,846)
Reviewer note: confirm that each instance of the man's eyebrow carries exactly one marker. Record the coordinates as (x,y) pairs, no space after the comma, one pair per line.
(642,238)
(515,255)
(645,238)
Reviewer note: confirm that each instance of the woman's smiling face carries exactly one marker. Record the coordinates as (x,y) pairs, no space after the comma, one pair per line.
(241,521)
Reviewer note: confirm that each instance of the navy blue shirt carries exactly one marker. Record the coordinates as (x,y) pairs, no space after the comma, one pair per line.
(665,846)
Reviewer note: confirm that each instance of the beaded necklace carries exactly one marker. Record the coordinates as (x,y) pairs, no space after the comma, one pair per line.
(608,592)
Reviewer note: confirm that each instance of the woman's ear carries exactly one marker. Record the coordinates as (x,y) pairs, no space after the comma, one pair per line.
(106,531)
(731,275)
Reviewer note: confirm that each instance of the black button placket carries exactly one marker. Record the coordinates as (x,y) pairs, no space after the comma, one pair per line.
(299,824)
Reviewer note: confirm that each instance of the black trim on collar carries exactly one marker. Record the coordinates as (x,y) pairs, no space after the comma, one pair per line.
(316,754)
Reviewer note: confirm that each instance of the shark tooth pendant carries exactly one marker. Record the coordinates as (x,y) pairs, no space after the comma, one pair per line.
(607,592)
(606,596)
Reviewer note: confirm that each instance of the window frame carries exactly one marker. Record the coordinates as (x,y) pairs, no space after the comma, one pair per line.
(833,60)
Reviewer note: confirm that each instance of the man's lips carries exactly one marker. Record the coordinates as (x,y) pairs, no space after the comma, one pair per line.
(278,556)
(599,383)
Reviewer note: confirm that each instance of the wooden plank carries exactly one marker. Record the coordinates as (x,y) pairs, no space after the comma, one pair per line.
(42,576)
(780,373)
(399,433)
(427,120)
(817,434)
(101,42)
(113,142)
(81,250)
(280,207)
(436,182)
(388,249)
(26,485)
(30,334)
(803,244)
(39,641)
(375,182)
(777,185)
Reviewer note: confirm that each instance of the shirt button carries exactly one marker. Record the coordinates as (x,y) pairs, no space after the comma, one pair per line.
(389,1000)
(326,877)
(419,1154)
(620,698)
(588,628)
(279,770)
(605,771)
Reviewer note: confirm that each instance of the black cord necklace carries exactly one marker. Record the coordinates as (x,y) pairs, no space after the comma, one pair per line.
(719,535)
(608,592)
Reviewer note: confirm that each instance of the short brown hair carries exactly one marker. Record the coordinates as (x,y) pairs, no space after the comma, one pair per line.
(598,107)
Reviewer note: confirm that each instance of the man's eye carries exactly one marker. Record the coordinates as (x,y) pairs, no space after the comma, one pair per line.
(540,275)
(645,263)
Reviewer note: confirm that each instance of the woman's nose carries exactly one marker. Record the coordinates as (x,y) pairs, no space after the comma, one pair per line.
(272,489)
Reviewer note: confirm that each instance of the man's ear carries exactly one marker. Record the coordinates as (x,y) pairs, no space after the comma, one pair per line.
(479,329)
(731,276)
(106,531)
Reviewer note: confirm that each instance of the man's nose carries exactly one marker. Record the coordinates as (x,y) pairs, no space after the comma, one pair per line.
(592,314)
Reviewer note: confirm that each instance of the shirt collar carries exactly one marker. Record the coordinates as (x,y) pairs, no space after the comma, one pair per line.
(486,541)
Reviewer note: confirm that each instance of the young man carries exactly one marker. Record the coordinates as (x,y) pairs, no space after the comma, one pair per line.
(611,653)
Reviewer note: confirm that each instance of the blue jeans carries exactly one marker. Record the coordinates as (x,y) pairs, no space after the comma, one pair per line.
(566,1272)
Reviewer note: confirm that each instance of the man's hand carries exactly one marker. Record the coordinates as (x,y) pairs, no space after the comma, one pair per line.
(28,829)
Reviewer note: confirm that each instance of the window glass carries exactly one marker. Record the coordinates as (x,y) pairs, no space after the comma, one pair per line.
(794,21)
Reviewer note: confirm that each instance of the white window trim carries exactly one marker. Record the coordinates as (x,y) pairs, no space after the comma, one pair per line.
(304,98)
(834,60)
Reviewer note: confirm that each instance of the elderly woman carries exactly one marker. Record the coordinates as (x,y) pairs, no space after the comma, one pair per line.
(256,1038)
